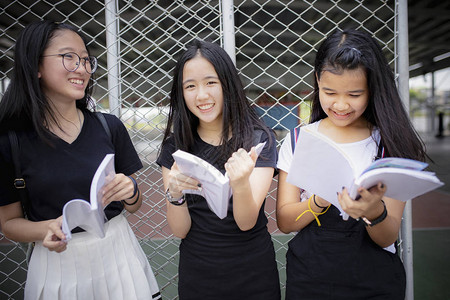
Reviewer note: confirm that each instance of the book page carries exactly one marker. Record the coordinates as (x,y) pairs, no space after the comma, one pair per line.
(396,162)
(90,215)
(320,167)
(78,213)
(215,186)
(105,174)
(401,184)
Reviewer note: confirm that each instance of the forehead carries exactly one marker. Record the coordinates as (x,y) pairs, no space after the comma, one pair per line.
(339,69)
(330,73)
(344,80)
(198,66)
(65,39)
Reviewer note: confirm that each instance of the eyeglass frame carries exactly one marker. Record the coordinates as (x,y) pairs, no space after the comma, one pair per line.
(79,60)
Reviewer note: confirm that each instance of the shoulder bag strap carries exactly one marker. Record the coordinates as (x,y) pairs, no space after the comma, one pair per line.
(19,181)
(19,184)
(102,120)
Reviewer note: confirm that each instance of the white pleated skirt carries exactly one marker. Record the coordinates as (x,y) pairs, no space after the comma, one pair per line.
(114,267)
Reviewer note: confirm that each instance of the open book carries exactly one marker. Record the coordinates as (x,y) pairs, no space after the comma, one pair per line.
(90,216)
(320,167)
(215,186)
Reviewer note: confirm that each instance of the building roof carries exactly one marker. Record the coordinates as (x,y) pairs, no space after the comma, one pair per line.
(429,25)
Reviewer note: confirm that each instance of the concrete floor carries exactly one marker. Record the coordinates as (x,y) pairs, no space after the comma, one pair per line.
(431,228)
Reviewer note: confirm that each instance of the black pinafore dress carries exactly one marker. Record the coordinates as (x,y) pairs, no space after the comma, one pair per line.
(339,260)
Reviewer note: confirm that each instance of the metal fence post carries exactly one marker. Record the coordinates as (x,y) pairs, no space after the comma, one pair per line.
(403,80)
(112,56)
(228,29)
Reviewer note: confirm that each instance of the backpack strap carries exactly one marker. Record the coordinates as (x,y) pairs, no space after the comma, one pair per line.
(294,137)
(19,181)
(102,120)
(380,153)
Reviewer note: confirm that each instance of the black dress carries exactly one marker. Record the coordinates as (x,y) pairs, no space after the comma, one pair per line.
(217,259)
(339,260)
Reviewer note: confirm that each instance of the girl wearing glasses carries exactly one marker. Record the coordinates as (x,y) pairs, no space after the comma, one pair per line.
(210,117)
(61,145)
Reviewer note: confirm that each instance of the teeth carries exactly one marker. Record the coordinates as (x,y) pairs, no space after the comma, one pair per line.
(341,114)
(206,106)
(76,81)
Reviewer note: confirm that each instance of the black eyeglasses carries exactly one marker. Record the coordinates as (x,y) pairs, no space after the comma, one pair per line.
(71,62)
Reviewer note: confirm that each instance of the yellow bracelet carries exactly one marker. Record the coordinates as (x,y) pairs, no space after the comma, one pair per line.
(313,212)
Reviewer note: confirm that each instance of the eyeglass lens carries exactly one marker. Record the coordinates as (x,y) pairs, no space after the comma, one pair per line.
(71,62)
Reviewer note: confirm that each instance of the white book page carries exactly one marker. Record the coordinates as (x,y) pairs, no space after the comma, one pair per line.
(401,184)
(90,215)
(396,162)
(79,213)
(215,186)
(105,174)
(319,167)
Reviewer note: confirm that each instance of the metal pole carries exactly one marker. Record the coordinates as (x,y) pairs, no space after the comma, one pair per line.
(228,29)
(403,80)
(112,56)
(433,104)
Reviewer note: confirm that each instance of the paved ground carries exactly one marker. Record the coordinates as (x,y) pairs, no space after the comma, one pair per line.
(431,229)
(431,237)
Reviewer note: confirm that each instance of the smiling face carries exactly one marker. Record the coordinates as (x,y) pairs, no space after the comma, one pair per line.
(58,84)
(344,97)
(202,92)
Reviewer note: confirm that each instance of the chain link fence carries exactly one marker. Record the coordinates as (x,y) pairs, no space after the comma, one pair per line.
(138,42)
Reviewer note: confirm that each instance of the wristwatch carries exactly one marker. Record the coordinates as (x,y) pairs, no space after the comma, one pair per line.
(175,201)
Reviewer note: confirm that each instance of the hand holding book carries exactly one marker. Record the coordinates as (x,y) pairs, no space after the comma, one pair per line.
(215,186)
(89,215)
(321,168)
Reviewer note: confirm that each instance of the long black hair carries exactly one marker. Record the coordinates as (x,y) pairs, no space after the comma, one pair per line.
(24,105)
(351,49)
(237,112)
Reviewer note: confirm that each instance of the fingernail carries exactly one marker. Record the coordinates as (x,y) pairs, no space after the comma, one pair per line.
(366,221)
(343,187)
(382,186)
(199,185)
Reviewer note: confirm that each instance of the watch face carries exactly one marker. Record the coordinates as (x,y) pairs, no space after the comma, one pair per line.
(175,201)
(178,201)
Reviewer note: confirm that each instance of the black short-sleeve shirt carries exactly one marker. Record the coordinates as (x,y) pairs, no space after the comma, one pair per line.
(57,173)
